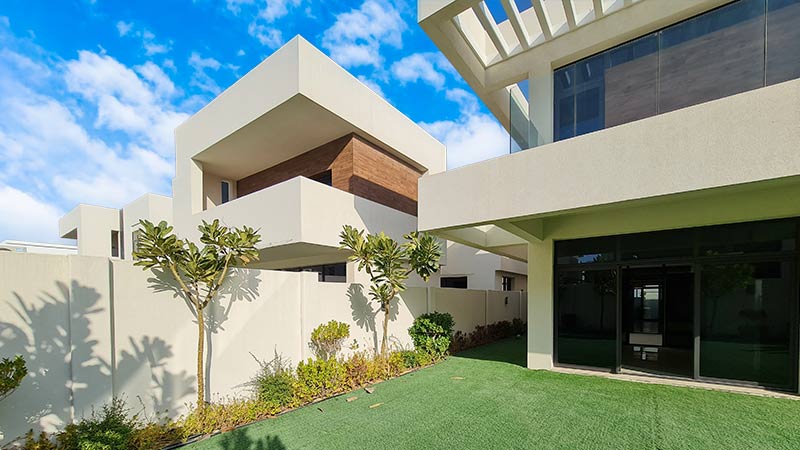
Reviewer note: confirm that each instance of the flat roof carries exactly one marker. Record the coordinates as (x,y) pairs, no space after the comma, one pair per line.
(296,100)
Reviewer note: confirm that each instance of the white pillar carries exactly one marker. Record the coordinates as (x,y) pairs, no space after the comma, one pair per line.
(540,106)
(540,304)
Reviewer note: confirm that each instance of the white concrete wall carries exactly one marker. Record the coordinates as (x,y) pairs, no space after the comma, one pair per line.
(91,226)
(152,207)
(94,328)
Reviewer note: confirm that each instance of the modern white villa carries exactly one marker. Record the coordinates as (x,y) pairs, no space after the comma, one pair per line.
(297,148)
(653,182)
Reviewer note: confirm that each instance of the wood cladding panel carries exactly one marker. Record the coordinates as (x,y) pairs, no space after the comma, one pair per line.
(716,65)
(356,166)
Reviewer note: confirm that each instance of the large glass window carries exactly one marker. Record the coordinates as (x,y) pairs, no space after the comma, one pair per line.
(587,318)
(711,56)
(783,40)
(746,317)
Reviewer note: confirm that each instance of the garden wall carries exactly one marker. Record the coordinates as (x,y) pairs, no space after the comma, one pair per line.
(94,328)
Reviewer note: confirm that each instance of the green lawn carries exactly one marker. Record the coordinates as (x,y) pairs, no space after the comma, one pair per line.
(499,404)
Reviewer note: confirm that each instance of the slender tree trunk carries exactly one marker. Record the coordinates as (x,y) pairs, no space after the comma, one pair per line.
(385,327)
(201,331)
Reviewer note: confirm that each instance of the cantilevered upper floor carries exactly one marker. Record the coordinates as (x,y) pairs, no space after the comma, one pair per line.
(299,147)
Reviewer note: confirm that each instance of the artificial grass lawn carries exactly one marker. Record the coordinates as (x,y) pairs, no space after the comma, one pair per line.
(499,404)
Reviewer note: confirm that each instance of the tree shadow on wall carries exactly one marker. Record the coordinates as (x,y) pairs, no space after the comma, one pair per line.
(241,285)
(54,332)
(367,313)
(240,440)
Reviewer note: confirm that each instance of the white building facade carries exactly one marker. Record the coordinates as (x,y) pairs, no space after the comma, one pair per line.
(297,148)
(653,180)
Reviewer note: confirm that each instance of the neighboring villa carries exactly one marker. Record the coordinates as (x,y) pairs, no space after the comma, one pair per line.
(297,148)
(658,193)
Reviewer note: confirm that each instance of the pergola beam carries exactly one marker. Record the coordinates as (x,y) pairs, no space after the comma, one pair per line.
(598,8)
(569,12)
(544,19)
(516,22)
(489,24)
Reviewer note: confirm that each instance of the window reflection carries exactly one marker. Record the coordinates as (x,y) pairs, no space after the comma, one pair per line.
(745,322)
(711,56)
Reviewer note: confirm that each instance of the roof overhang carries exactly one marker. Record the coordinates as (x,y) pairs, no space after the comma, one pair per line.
(295,100)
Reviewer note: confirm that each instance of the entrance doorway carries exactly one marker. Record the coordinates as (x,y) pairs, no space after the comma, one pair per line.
(657,320)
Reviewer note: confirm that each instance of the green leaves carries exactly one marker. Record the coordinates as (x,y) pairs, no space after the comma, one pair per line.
(388,263)
(12,371)
(194,266)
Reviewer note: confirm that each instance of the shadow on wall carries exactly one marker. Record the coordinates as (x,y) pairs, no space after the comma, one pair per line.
(366,316)
(240,440)
(54,329)
(241,285)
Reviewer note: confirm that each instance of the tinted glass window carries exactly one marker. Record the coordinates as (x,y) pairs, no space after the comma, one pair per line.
(758,237)
(711,56)
(564,98)
(453,282)
(783,40)
(587,318)
(745,322)
(586,251)
(589,95)
(225,192)
(661,244)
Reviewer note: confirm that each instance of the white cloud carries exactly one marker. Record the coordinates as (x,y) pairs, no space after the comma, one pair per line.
(356,38)
(23,217)
(473,136)
(149,44)
(240,52)
(124,27)
(136,104)
(200,78)
(264,14)
(426,67)
(88,130)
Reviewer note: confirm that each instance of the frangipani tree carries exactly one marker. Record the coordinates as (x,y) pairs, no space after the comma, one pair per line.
(199,272)
(389,264)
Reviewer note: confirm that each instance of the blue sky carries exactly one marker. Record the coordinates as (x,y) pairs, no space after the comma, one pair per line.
(90,90)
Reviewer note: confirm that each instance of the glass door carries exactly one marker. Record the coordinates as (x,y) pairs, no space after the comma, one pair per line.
(657,320)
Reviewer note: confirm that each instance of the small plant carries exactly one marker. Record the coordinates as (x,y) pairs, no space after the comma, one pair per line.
(328,338)
(273,384)
(319,378)
(431,333)
(12,371)
(111,429)
(40,442)
(225,416)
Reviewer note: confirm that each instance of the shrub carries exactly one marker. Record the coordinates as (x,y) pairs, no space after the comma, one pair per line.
(109,430)
(485,334)
(225,416)
(357,370)
(413,358)
(327,339)
(431,333)
(42,442)
(155,435)
(273,384)
(319,378)
(12,371)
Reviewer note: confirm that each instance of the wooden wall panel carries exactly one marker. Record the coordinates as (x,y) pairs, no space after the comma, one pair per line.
(357,166)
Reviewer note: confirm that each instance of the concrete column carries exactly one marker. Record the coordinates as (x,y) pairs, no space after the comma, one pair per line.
(540,304)
(540,104)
